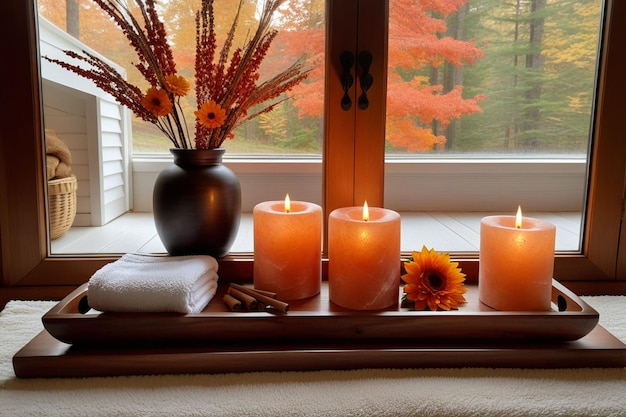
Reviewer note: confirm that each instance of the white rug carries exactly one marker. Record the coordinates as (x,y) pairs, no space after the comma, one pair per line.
(410,392)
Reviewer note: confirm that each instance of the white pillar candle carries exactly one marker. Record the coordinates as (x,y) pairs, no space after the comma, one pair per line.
(364,258)
(288,248)
(516,263)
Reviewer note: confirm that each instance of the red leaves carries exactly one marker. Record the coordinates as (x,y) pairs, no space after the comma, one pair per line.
(418,40)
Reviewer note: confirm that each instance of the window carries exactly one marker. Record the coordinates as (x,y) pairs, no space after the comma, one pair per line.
(490,137)
(476,94)
(424,105)
(276,153)
(27,267)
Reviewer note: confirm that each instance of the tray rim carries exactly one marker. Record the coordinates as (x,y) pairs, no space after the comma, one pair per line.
(46,357)
(65,323)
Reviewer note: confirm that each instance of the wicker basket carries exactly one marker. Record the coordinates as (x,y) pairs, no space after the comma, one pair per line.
(62,205)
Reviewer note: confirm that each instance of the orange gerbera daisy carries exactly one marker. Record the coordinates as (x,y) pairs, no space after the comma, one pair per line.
(433,281)
(211,114)
(157,102)
(177,85)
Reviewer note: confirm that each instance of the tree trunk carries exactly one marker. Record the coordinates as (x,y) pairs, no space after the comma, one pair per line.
(534,65)
(512,130)
(72,19)
(434,80)
(453,75)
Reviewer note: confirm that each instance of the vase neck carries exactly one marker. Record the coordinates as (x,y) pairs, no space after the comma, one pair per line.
(195,157)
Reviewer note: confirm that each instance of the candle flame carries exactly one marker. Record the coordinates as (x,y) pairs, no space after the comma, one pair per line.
(366,212)
(287,204)
(518,218)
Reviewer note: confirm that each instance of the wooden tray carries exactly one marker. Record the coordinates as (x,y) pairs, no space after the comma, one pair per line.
(319,320)
(47,357)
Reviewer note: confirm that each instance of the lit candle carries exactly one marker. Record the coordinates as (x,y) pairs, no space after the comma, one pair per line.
(364,257)
(288,248)
(516,263)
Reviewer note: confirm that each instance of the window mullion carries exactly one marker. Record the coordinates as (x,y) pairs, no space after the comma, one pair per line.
(339,146)
(354,147)
(373,18)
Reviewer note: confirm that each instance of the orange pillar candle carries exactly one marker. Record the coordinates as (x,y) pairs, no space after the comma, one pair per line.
(364,257)
(516,263)
(288,248)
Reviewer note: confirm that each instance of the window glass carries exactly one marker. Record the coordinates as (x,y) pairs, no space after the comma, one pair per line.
(507,84)
(116,162)
(491,77)
(295,125)
(489,106)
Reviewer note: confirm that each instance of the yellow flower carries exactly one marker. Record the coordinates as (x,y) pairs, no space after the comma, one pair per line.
(157,102)
(433,281)
(211,114)
(177,85)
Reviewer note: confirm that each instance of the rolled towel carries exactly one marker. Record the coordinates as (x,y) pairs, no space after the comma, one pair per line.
(145,283)
(57,148)
(52,162)
(62,170)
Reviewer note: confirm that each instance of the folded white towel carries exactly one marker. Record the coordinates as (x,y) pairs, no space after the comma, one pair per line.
(144,283)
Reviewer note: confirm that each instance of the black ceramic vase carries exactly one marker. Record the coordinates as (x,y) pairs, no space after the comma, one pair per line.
(197,204)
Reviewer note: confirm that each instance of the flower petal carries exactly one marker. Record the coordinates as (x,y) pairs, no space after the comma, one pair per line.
(421,269)
(211,114)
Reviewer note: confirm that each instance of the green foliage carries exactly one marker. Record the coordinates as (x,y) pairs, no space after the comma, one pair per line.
(563,85)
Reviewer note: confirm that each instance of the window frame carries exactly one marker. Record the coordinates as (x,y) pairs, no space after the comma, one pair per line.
(29,272)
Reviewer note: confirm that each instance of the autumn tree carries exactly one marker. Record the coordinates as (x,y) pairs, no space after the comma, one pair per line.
(571,48)
(72,17)
(274,124)
(301,36)
(425,80)
(540,88)
(84,20)
(534,65)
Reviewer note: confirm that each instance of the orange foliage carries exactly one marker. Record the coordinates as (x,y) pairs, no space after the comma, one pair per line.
(404,133)
(444,7)
(307,96)
(426,102)
(417,40)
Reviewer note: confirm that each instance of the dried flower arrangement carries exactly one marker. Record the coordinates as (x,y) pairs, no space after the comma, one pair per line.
(225,83)
(433,281)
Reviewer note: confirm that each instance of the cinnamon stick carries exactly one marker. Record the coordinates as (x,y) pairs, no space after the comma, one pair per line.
(247,299)
(232,303)
(266,293)
(277,304)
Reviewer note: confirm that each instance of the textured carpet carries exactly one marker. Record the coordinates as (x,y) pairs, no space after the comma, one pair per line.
(409,392)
